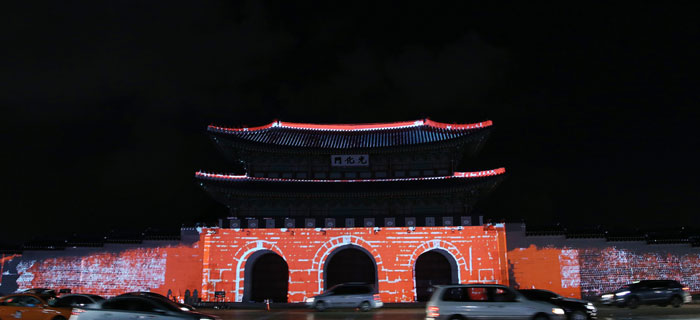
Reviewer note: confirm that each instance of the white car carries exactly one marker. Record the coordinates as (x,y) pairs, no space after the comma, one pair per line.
(486,301)
(348,295)
(136,307)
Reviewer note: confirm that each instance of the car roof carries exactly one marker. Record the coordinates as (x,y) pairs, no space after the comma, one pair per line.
(471,285)
(38,296)
(78,294)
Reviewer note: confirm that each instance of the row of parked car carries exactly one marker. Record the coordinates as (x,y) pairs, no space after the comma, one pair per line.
(44,304)
(448,302)
(466,301)
(469,301)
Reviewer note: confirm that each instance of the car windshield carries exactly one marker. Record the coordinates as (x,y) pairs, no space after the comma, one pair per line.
(170,305)
(96,297)
(331,289)
(139,304)
(539,294)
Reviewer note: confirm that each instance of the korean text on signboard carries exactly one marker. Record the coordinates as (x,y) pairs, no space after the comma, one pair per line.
(350,160)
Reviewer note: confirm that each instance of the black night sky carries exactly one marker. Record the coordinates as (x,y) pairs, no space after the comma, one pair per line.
(105,103)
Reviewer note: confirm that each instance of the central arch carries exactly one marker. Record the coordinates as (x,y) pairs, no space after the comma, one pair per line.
(266,277)
(350,263)
(433,267)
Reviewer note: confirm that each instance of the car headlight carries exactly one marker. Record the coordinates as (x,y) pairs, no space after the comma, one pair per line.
(622,293)
(309,300)
(558,311)
(590,306)
(607,296)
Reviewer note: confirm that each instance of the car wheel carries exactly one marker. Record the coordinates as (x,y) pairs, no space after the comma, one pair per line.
(364,306)
(578,315)
(59,318)
(541,317)
(456,317)
(676,301)
(320,306)
(633,303)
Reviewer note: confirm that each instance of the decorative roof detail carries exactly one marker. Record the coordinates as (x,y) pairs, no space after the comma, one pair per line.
(345,136)
(456,175)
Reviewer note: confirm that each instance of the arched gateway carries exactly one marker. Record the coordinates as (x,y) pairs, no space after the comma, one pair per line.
(434,267)
(350,263)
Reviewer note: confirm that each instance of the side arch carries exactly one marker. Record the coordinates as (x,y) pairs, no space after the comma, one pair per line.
(433,267)
(445,248)
(272,284)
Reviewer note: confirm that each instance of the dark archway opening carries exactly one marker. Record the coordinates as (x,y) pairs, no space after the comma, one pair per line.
(350,264)
(267,279)
(433,268)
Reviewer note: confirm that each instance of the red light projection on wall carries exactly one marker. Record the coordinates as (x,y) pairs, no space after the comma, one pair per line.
(478,252)
(4,259)
(160,269)
(218,260)
(547,268)
(606,269)
(592,271)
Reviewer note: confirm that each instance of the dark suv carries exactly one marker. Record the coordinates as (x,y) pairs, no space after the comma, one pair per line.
(575,309)
(660,292)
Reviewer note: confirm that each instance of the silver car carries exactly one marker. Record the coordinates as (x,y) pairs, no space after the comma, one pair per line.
(486,301)
(135,307)
(348,295)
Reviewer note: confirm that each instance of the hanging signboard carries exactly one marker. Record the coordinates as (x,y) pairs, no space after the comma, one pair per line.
(350,160)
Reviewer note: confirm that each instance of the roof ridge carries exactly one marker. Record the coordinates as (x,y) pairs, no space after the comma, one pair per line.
(357,127)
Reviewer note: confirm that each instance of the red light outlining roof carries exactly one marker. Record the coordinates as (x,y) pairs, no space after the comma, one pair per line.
(360,127)
(456,175)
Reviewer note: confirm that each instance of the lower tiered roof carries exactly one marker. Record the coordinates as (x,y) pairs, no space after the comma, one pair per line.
(225,187)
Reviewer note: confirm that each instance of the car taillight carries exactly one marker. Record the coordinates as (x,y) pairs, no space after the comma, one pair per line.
(377,297)
(433,312)
(76,312)
(686,289)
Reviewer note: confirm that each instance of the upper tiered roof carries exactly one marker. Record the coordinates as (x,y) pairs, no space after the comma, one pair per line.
(350,136)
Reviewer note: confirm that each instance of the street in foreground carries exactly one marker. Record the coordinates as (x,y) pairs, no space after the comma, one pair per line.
(691,311)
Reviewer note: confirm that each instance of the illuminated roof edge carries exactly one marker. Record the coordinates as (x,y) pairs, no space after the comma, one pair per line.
(356,127)
(456,175)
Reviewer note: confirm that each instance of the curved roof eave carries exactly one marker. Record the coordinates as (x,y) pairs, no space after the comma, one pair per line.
(244,178)
(354,127)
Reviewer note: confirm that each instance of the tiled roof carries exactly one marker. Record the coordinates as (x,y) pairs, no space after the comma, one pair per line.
(348,136)
(456,175)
